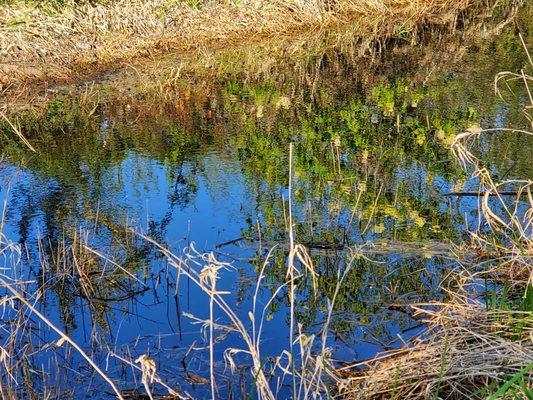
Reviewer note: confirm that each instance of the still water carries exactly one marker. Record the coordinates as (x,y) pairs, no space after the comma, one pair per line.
(209,168)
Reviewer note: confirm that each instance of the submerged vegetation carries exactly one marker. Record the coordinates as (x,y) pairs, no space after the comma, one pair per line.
(325,216)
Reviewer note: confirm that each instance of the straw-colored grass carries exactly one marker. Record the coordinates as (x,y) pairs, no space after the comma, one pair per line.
(43,42)
(466,348)
(470,349)
(511,221)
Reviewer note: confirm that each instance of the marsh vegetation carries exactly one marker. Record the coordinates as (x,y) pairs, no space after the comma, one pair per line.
(321,215)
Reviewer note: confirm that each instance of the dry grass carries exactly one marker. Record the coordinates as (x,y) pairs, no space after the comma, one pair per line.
(155,85)
(19,296)
(38,42)
(27,331)
(469,350)
(300,366)
(511,221)
(466,347)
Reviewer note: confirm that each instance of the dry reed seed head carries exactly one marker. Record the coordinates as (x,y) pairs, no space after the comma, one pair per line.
(148,367)
(209,275)
(210,272)
(300,253)
(4,356)
(305,341)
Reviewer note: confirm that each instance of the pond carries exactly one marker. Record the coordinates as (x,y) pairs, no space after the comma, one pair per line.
(207,169)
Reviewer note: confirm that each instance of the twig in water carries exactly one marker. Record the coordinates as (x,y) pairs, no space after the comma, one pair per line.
(482,194)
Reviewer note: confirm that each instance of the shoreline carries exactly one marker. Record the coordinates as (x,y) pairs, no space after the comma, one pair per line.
(42,45)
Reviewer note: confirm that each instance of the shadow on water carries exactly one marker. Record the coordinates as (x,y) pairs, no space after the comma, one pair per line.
(209,165)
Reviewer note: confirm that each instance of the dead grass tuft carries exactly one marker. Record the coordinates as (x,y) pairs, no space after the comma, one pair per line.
(466,347)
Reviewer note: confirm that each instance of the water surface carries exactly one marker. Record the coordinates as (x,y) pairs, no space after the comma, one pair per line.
(210,168)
